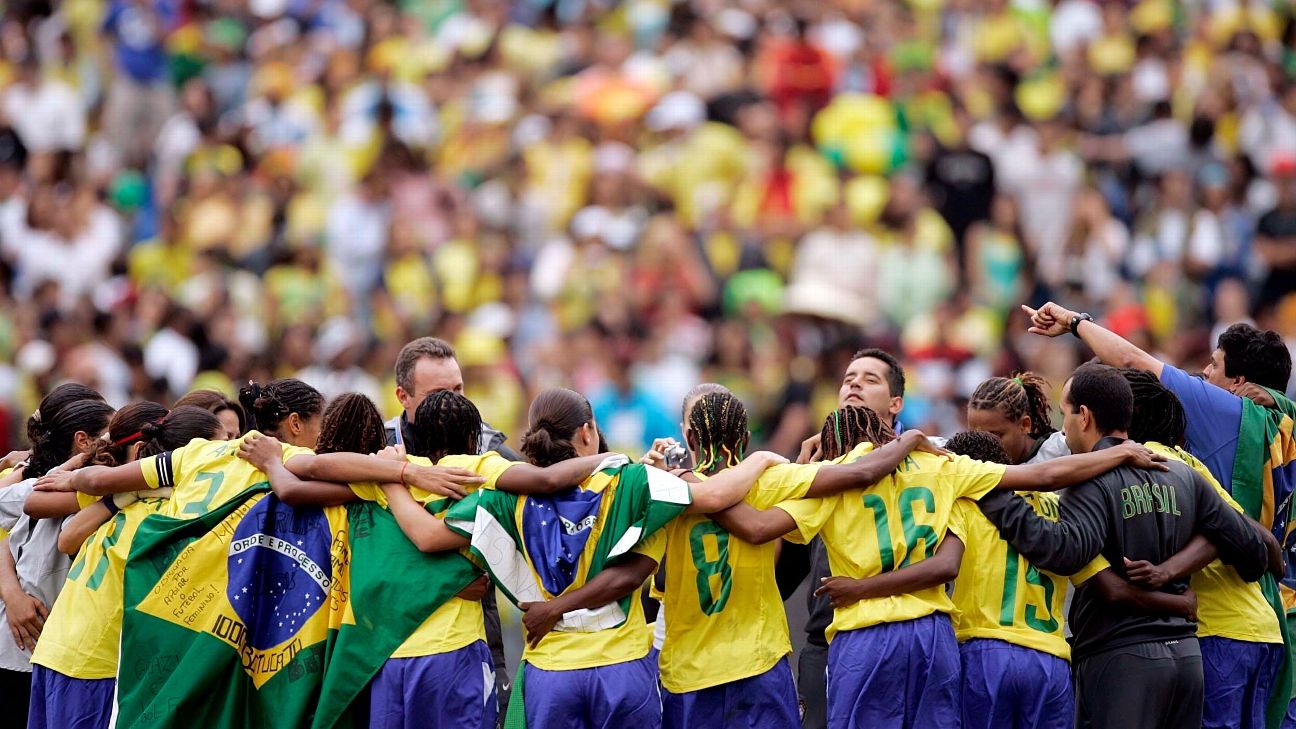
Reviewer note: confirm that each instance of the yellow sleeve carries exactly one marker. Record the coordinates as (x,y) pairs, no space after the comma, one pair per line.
(958,521)
(783,483)
(1088,572)
(810,516)
(654,547)
(490,465)
(971,479)
(369,491)
(163,469)
(86,500)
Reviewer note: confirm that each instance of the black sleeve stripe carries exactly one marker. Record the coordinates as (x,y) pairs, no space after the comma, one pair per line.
(165,477)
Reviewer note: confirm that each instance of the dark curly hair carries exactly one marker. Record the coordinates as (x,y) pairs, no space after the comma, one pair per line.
(978,445)
(269,405)
(445,423)
(1259,356)
(351,424)
(1158,414)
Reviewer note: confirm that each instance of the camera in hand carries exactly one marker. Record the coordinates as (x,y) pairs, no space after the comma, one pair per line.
(676,456)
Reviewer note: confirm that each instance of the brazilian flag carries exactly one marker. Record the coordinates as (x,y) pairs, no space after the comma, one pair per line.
(258,614)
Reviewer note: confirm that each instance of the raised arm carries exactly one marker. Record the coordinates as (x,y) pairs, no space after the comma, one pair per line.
(1115,590)
(1062,547)
(1052,320)
(524,478)
(753,525)
(1071,470)
(80,527)
(939,569)
(869,468)
(428,532)
(730,485)
(622,578)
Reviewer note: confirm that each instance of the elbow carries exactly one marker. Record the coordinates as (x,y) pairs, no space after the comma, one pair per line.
(948,571)
(426,544)
(67,545)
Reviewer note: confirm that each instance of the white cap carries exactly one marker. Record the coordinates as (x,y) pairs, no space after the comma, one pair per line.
(335,337)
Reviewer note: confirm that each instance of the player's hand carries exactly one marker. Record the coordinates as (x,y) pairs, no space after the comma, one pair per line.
(392,453)
(1255,394)
(539,618)
(924,444)
(841,591)
(26,615)
(444,480)
(13,458)
(656,455)
(62,481)
(476,590)
(1050,320)
(1190,605)
(1139,456)
(1145,574)
(261,451)
(811,449)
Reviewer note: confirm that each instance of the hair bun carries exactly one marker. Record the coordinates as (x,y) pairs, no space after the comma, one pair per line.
(150,431)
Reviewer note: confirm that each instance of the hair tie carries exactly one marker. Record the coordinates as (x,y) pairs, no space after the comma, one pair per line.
(837,427)
(1019,382)
(128,439)
(36,415)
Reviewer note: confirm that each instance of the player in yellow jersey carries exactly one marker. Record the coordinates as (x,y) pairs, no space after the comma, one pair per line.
(724,659)
(442,675)
(75,662)
(68,422)
(1241,641)
(897,522)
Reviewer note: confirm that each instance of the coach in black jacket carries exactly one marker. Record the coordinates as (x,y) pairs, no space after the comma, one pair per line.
(424,366)
(1132,669)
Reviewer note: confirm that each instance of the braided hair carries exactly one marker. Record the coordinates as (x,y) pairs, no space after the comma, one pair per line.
(555,416)
(445,423)
(351,424)
(978,445)
(718,420)
(847,427)
(1158,414)
(57,436)
(1025,393)
(269,405)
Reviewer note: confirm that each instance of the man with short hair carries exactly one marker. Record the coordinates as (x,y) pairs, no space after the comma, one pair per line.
(1131,668)
(424,366)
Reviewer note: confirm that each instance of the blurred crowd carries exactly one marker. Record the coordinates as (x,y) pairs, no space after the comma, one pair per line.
(629,197)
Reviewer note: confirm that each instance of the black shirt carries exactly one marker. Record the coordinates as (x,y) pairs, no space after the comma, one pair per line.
(962,186)
(1126,512)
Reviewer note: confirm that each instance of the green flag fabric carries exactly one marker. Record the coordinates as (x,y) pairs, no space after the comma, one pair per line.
(258,614)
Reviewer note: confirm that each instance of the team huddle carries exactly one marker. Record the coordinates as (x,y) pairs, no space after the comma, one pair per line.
(952,586)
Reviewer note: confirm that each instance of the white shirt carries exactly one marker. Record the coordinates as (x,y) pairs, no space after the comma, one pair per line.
(42,568)
(172,357)
(77,265)
(47,116)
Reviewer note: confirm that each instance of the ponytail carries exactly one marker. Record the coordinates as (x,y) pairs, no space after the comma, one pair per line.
(555,416)
(1025,393)
(268,406)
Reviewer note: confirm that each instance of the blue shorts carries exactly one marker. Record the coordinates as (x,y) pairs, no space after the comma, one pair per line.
(455,689)
(895,676)
(1008,686)
(63,702)
(764,701)
(619,696)
(1238,678)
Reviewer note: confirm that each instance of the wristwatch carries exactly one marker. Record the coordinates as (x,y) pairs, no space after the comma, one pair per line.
(1075,322)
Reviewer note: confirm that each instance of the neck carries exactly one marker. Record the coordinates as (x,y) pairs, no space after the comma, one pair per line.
(1107,440)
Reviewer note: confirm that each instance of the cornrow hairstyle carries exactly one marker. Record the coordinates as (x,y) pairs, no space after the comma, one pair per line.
(555,416)
(445,423)
(269,405)
(719,420)
(848,427)
(58,437)
(57,399)
(214,403)
(1025,393)
(1158,414)
(696,392)
(125,429)
(978,445)
(351,424)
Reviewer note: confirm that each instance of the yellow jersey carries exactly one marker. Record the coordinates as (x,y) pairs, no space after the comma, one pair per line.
(897,522)
(457,623)
(205,474)
(81,637)
(999,595)
(725,619)
(1227,607)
